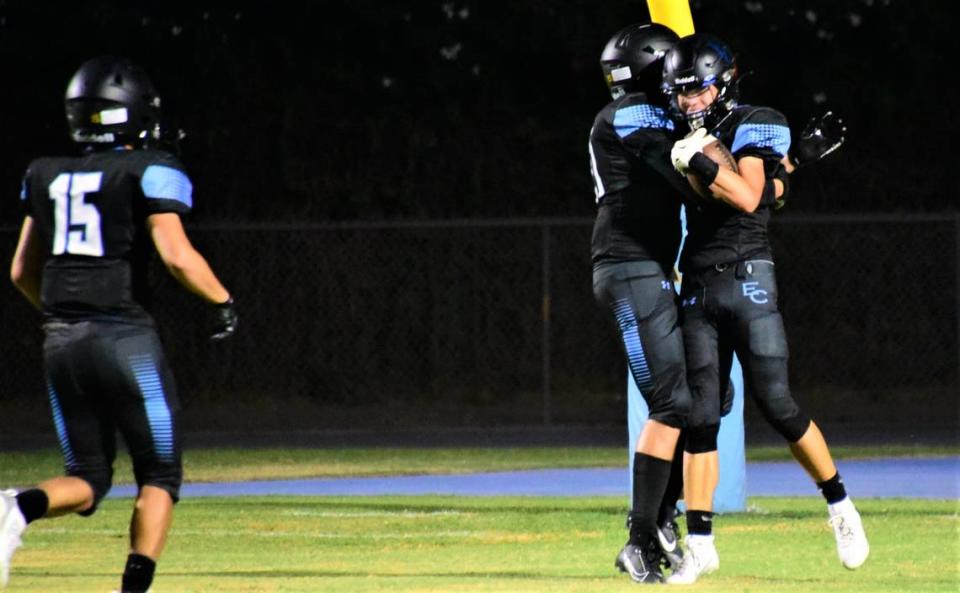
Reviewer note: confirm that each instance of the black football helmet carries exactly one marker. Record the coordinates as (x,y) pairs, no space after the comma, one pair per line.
(111,101)
(631,59)
(695,62)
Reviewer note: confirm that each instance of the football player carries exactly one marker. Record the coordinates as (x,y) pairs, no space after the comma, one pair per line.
(636,237)
(90,225)
(729,291)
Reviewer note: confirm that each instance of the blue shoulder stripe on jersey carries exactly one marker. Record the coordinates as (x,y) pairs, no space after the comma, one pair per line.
(762,136)
(167,183)
(628,120)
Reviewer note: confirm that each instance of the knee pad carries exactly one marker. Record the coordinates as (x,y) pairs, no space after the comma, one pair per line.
(166,475)
(99,477)
(785,416)
(671,402)
(702,439)
(675,412)
(793,427)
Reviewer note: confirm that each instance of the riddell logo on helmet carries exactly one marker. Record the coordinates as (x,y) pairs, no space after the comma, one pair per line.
(685,80)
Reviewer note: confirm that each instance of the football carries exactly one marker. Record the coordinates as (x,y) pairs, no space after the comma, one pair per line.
(718,153)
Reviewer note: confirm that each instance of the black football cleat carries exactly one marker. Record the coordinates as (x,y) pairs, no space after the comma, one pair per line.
(668,536)
(643,566)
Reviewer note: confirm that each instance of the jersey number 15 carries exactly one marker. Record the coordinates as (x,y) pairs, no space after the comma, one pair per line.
(76,223)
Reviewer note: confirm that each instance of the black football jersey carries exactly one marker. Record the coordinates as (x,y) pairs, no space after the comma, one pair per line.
(637,190)
(718,233)
(90,213)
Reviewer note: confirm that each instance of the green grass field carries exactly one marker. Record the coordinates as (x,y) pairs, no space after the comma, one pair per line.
(461,544)
(446,544)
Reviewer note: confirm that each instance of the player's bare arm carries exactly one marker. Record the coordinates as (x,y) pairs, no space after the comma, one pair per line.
(183,261)
(741,190)
(26,269)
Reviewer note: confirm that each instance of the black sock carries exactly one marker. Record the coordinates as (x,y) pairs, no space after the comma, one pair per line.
(650,475)
(138,574)
(33,504)
(833,489)
(668,507)
(699,522)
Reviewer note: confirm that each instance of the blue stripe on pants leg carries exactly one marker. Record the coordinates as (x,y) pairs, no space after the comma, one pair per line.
(69,458)
(155,403)
(630,332)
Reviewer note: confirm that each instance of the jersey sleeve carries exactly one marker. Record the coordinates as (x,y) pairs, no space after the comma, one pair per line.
(639,125)
(763,134)
(165,185)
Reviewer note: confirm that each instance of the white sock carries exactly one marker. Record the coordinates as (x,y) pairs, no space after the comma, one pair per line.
(841,507)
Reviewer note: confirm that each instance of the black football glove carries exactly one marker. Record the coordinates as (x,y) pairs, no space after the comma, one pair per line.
(224,321)
(821,136)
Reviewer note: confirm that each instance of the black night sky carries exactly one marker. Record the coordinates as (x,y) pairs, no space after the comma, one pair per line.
(368,110)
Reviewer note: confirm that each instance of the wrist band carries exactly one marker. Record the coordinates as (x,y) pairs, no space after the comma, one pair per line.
(704,168)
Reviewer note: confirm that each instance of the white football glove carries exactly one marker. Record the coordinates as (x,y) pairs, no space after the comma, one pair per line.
(683,150)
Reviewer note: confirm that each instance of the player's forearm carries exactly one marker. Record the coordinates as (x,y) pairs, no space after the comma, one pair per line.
(29,287)
(193,272)
(736,191)
(26,268)
(26,278)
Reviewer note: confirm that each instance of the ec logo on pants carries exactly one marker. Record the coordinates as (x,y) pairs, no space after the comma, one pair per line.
(757,295)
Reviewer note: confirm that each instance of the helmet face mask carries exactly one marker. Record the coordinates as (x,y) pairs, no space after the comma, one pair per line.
(698,62)
(631,59)
(111,101)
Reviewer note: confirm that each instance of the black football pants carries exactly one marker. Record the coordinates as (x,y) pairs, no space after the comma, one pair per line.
(644,305)
(103,377)
(733,308)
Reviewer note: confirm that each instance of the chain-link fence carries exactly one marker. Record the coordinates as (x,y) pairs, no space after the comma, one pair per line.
(493,322)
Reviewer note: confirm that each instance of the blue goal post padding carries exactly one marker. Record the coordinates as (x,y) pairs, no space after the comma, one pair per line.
(731,493)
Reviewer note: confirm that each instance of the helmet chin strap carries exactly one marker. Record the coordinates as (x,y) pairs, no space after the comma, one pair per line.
(697,120)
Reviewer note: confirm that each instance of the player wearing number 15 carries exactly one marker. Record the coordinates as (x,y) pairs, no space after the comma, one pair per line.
(89,227)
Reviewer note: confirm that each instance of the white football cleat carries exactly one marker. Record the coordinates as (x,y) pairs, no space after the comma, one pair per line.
(852,546)
(12,525)
(701,558)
